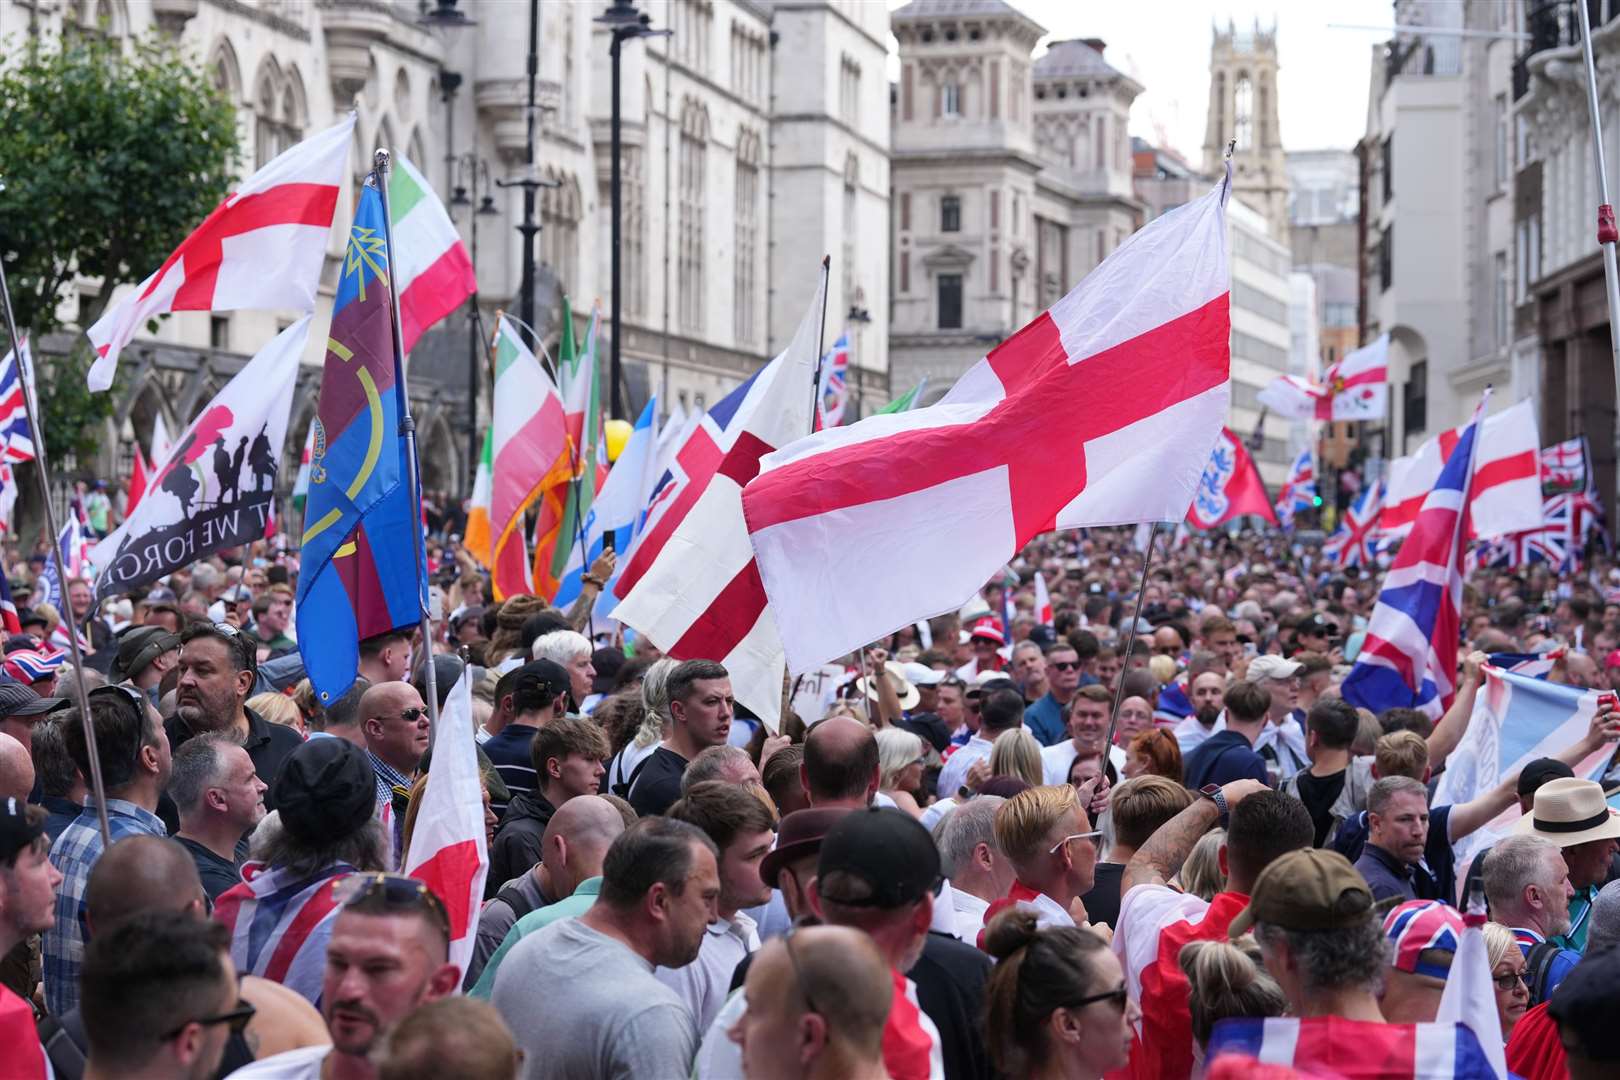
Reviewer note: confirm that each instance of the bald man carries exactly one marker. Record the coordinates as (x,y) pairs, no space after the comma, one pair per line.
(149,873)
(840,767)
(563,884)
(16,769)
(840,970)
(394,721)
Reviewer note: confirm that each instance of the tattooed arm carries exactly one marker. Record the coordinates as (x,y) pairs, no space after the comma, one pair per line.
(1158,860)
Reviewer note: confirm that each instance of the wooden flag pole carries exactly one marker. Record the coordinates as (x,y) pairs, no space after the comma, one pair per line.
(407,427)
(1130,639)
(25,375)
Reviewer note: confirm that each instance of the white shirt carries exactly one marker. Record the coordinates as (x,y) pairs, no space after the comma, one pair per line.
(1287,742)
(969,915)
(624,763)
(301,1064)
(1190,733)
(704,983)
(954,773)
(936,812)
(1057,759)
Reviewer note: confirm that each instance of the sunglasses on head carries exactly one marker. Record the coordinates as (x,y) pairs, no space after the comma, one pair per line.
(397,892)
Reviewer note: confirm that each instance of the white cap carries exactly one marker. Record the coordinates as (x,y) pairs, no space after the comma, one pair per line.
(921,674)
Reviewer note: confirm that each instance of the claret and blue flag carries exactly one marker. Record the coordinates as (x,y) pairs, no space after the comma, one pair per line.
(359,576)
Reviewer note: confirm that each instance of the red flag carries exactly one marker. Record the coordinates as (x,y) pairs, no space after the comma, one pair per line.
(137,481)
(1230,486)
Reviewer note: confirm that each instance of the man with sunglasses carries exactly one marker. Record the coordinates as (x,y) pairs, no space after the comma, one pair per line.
(217,671)
(160,998)
(1045,718)
(394,720)
(389,952)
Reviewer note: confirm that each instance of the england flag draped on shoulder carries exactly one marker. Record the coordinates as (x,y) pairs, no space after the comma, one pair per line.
(702,598)
(1410,655)
(1102,411)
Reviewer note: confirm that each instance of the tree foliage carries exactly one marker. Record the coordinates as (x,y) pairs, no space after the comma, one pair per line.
(112,152)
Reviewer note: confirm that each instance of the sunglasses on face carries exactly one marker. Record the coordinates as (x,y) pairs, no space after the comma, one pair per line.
(1077,836)
(1507,981)
(1065,665)
(413,714)
(237,1018)
(1118,997)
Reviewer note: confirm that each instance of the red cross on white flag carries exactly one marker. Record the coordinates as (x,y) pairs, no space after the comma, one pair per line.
(261,248)
(1100,412)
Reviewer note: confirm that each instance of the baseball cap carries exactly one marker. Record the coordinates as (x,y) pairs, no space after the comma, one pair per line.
(888,855)
(1310,889)
(1540,771)
(19,699)
(16,830)
(988,629)
(1271,666)
(921,674)
(1419,928)
(545,676)
(1316,626)
(32,665)
(30,617)
(139,646)
(799,834)
(326,791)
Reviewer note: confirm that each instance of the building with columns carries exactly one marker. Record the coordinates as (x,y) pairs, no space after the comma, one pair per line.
(1011,178)
(755,140)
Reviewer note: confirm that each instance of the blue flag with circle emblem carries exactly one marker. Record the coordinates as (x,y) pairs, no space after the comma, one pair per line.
(359,577)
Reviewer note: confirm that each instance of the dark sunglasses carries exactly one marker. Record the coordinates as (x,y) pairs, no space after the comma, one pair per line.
(238,1018)
(1118,996)
(413,714)
(397,892)
(1065,665)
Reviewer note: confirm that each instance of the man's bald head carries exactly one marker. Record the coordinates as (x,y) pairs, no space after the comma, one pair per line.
(16,769)
(586,825)
(387,699)
(138,874)
(840,762)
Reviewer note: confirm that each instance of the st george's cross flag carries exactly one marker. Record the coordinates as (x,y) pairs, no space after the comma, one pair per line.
(1409,657)
(1506,486)
(1355,388)
(1230,486)
(449,851)
(1102,411)
(217,487)
(263,247)
(701,596)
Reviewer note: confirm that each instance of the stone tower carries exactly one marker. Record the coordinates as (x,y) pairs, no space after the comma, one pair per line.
(1243,106)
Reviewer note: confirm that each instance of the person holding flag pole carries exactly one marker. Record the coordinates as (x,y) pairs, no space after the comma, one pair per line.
(407,427)
(43,472)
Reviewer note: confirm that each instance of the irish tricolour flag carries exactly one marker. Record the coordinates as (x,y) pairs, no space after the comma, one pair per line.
(529,453)
(435,274)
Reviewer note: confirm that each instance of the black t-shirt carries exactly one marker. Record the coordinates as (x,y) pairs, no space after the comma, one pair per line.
(658,783)
(1318,794)
(1102,902)
(217,874)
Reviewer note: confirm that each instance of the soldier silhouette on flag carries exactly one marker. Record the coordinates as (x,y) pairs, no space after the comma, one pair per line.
(263,463)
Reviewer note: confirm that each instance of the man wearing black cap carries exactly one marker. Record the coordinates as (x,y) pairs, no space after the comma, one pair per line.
(28,884)
(145,655)
(539,692)
(878,872)
(21,709)
(216,676)
(326,796)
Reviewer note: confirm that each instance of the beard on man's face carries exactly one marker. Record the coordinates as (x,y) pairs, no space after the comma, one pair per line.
(1208,714)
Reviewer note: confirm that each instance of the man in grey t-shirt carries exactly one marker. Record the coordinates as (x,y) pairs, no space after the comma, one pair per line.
(611,1018)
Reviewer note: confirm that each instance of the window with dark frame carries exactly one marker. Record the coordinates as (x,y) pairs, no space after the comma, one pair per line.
(950,301)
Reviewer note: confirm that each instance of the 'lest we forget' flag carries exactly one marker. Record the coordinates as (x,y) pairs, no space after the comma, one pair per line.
(360,576)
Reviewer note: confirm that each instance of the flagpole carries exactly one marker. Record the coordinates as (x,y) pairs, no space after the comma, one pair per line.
(407,426)
(1607,234)
(821,347)
(1130,639)
(80,693)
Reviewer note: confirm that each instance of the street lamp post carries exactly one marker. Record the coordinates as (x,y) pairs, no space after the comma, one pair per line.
(859,317)
(476,172)
(624,23)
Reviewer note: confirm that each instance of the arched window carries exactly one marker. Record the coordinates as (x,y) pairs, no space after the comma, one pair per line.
(690,252)
(278,112)
(559,236)
(746,277)
(1243,110)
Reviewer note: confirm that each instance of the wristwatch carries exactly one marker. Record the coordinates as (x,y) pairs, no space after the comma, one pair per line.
(1212,792)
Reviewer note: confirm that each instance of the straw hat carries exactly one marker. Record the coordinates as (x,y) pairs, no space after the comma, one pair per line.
(902,686)
(1570,811)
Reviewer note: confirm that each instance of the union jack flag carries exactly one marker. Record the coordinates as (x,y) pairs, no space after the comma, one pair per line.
(280,924)
(1298,491)
(1352,544)
(1410,654)
(834,390)
(16,438)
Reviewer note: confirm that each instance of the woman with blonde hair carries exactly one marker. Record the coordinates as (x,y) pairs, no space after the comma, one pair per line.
(279,709)
(1017,753)
(900,767)
(1225,979)
(1201,874)
(654,723)
(1508,968)
(1162,668)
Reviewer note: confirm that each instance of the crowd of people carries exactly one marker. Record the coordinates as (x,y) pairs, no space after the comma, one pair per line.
(1144,837)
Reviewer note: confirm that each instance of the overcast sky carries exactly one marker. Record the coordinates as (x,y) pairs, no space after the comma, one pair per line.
(1164,45)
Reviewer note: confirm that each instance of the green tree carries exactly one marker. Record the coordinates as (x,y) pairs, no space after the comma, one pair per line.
(112,152)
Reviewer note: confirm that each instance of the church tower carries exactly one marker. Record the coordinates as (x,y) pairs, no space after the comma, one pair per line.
(1243,107)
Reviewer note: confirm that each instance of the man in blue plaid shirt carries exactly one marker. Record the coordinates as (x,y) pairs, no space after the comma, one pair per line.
(394,721)
(134,753)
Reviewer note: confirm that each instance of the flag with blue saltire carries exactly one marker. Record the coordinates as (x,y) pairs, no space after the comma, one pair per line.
(1517,718)
(16,438)
(1354,542)
(1298,490)
(617,509)
(1409,657)
(1534,665)
(833,393)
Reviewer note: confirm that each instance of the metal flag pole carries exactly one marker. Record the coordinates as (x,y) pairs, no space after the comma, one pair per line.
(821,346)
(1130,639)
(25,375)
(1607,234)
(407,427)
